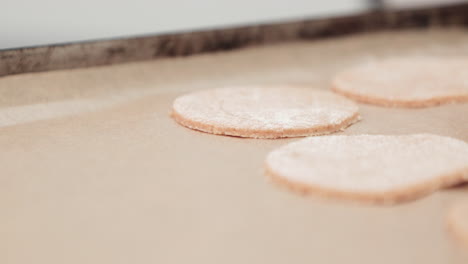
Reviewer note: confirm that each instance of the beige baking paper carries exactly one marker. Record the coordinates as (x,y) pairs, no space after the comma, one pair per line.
(93,170)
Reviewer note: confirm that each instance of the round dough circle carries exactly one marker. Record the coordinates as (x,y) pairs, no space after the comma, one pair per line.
(406,82)
(265,112)
(370,168)
(458,222)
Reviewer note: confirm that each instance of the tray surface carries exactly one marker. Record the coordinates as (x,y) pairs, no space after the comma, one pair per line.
(95,171)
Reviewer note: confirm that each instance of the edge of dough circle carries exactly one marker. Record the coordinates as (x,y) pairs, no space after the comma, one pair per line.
(457,221)
(265,111)
(380,169)
(414,81)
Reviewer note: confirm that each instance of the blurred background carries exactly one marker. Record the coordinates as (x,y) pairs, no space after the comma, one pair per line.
(25,23)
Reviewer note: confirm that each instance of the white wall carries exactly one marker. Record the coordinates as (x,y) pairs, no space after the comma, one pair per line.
(39,22)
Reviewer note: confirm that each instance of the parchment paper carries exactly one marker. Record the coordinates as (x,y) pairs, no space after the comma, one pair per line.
(93,170)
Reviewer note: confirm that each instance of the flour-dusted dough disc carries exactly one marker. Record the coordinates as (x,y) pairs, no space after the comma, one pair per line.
(406,82)
(370,168)
(458,222)
(265,112)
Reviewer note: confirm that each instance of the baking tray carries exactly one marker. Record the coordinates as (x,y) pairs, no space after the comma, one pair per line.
(93,169)
(105,52)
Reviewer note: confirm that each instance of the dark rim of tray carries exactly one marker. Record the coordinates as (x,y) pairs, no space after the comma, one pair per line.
(105,52)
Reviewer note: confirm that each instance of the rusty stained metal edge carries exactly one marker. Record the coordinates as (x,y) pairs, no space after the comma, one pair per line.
(105,52)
